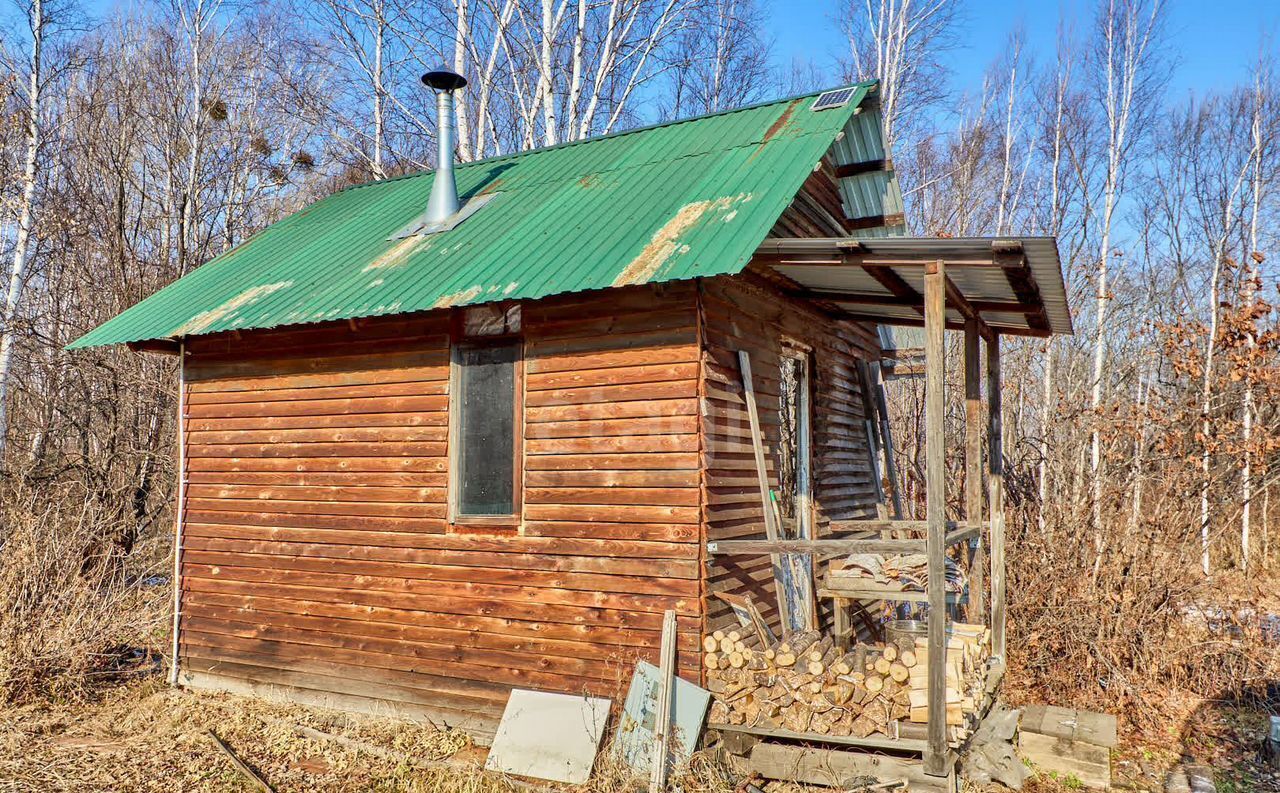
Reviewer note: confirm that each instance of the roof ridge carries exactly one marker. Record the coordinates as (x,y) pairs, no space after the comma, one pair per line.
(610,135)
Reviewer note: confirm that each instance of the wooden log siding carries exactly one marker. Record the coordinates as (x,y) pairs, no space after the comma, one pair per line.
(317,556)
(747,313)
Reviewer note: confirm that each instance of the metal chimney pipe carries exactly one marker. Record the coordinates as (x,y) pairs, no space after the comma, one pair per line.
(444,190)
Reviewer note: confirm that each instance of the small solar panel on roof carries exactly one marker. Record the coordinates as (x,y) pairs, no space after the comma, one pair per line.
(830,99)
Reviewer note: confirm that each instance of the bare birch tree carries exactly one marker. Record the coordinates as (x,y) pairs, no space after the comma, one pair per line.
(34,76)
(897,42)
(1131,77)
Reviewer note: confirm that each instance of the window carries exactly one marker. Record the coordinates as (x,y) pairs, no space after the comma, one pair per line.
(486,426)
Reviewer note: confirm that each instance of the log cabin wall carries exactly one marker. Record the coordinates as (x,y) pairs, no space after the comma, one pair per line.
(317,559)
(748,313)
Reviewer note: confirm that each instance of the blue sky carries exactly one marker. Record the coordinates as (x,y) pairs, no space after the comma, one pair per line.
(1214,41)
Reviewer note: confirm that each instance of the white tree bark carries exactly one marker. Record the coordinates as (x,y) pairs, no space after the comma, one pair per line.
(1127,39)
(1249,301)
(26,209)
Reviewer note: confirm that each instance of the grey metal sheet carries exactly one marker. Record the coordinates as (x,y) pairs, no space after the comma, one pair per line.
(980,281)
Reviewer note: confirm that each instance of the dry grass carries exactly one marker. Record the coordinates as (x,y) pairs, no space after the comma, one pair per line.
(70,610)
(143,736)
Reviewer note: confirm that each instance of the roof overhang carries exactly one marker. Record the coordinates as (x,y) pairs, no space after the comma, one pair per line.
(1007,285)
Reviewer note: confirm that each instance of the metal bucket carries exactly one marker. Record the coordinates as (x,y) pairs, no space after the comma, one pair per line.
(905,629)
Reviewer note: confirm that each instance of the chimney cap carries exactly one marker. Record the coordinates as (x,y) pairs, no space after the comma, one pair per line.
(444,80)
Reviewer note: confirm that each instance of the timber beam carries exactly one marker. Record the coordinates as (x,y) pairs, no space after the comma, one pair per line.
(866,166)
(161,346)
(957,300)
(1013,260)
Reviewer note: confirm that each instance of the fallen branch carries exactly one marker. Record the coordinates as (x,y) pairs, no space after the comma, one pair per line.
(240,765)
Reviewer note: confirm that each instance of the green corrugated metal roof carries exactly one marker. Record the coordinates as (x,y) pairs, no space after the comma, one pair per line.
(682,200)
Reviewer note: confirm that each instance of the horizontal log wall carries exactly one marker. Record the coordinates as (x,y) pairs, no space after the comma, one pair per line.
(317,554)
(747,313)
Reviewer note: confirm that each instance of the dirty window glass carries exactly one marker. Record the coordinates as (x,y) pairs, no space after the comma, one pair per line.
(486,394)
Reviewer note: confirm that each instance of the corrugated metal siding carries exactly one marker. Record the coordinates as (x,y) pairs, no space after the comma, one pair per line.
(683,200)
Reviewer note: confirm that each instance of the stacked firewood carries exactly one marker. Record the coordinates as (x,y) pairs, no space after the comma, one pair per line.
(968,650)
(805,683)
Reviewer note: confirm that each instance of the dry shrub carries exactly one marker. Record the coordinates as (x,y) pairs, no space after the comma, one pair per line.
(70,611)
(1118,631)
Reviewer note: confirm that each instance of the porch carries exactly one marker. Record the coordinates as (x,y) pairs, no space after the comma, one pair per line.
(985,288)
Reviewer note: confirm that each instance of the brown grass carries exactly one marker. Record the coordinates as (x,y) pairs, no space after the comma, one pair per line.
(143,736)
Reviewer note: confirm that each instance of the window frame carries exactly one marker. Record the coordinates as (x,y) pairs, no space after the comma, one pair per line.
(457,342)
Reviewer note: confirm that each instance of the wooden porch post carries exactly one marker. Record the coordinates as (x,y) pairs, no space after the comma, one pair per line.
(935,756)
(995,440)
(973,467)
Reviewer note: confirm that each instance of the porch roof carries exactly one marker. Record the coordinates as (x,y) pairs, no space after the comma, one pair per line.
(1010,285)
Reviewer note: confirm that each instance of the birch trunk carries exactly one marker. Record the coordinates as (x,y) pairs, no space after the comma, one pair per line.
(26,213)
(546,84)
(462,116)
(1249,300)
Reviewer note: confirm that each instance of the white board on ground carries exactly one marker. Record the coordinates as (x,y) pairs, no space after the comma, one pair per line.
(636,727)
(549,736)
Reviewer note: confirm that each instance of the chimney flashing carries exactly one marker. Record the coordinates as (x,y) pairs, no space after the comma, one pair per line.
(425,224)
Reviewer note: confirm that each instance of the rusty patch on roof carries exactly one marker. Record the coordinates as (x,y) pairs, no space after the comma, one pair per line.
(205,319)
(666,241)
(782,123)
(588,181)
(398,254)
(461,296)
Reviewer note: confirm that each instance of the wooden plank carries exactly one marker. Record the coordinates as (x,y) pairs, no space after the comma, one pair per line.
(1088,763)
(650,408)
(973,466)
(318,464)
(901,744)
(771,528)
(617,375)
(342,422)
(270,393)
(263,580)
(412,570)
(480,628)
(662,718)
(257,529)
(323,407)
(618,444)
(375,549)
(936,505)
(995,441)
(593,428)
(838,769)
(841,546)
(675,389)
(319,435)
(635,461)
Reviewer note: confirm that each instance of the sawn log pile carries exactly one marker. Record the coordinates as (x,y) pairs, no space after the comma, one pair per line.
(806,683)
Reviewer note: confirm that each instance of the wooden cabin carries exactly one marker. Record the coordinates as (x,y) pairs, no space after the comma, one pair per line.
(418,470)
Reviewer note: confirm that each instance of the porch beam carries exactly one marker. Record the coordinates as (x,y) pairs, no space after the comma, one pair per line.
(911,322)
(866,166)
(995,442)
(1013,260)
(935,756)
(957,300)
(973,478)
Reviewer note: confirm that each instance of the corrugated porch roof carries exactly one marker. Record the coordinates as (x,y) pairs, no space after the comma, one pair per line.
(1012,284)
